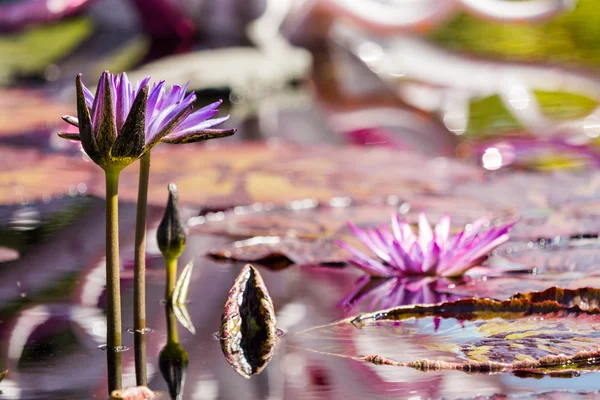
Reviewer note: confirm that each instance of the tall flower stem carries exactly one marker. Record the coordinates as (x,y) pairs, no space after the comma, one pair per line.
(113,286)
(171,278)
(139,274)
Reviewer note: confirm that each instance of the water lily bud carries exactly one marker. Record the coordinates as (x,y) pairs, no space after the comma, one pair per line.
(171,234)
(248,333)
(173,362)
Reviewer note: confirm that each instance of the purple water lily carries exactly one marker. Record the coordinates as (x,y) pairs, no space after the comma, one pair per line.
(433,252)
(123,121)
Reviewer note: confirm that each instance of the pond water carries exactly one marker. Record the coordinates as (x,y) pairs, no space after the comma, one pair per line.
(458,112)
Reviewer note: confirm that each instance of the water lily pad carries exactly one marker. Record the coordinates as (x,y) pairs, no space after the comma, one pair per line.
(243,174)
(24,177)
(473,335)
(278,253)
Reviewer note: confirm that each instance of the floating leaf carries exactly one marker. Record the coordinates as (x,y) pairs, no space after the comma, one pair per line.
(278,253)
(243,174)
(248,333)
(541,331)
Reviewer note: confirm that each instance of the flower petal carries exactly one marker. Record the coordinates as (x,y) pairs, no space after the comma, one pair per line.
(88,139)
(106,131)
(71,120)
(198,136)
(70,136)
(167,121)
(366,263)
(425,232)
(442,231)
(129,146)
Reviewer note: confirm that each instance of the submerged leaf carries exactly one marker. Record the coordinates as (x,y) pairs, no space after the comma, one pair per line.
(248,331)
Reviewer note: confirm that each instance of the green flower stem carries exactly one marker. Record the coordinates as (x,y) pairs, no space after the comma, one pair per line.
(172,334)
(171,278)
(113,285)
(139,274)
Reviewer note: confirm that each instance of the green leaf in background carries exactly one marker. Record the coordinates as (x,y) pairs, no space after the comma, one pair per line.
(563,105)
(30,52)
(488,116)
(571,38)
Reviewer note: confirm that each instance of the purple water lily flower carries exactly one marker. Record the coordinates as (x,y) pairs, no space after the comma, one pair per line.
(123,121)
(433,252)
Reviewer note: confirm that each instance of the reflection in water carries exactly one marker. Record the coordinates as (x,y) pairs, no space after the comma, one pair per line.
(173,358)
(382,293)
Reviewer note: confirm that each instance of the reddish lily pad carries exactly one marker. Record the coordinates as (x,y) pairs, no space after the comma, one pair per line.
(242,174)
(278,253)
(504,287)
(22,111)
(541,332)
(25,175)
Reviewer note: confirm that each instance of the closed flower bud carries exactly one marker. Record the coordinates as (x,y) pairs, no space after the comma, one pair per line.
(171,233)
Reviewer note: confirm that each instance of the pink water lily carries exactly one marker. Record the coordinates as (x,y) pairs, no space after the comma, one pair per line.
(433,252)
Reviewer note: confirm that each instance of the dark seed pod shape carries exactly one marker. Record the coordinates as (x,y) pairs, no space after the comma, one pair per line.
(248,333)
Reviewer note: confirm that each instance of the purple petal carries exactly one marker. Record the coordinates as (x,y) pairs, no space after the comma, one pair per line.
(430,258)
(368,264)
(411,267)
(425,232)
(122,102)
(155,97)
(396,224)
(442,231)
(366,237)
(416,254)
(98,105)
(89,97)
(397,259)
(201,115)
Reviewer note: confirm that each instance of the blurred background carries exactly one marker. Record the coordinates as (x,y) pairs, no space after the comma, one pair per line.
(510,85)
(498,81)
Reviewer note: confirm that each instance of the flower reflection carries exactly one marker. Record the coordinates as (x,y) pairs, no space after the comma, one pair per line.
(383,293)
